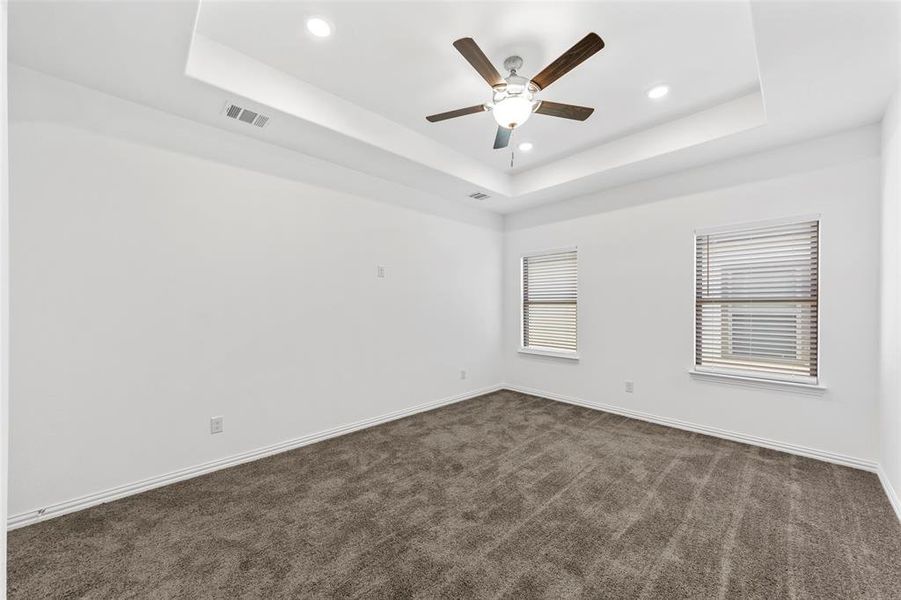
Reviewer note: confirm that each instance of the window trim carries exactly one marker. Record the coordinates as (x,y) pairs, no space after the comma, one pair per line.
(539,350)
(757,382)
(762,379)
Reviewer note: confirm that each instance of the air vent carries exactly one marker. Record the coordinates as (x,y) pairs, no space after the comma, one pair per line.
(248,116)
(479,196)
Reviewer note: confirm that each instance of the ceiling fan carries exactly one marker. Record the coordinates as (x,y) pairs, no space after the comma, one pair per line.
(514,98)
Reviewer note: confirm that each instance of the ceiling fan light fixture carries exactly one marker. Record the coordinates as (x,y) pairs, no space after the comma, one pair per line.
(513,111)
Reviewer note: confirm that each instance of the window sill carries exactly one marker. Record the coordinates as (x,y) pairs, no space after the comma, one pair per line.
(759,382)
(553,353)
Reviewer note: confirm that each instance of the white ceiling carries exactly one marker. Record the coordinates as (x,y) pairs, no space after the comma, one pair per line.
(823,66)
(397,59)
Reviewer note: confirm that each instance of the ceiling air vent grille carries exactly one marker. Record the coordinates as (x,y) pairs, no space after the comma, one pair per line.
(478,196)
(248,116)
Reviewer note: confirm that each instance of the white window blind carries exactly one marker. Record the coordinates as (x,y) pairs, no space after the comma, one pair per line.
(756,301)
(549,308)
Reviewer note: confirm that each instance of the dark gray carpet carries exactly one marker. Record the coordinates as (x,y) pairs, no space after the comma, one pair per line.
(503,496)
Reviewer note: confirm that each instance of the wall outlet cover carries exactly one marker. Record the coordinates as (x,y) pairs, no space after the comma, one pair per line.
(216,425)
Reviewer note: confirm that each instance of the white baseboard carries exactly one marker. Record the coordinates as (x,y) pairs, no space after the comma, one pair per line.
(69,506)
(832,457)
(890,491)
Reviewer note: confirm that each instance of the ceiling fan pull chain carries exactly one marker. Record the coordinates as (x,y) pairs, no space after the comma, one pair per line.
(512,148)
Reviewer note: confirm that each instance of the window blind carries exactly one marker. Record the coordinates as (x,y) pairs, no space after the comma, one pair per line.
(756,301)
(549,306)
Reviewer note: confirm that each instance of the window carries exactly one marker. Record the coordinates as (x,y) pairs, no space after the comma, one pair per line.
(756,301)
(549,308)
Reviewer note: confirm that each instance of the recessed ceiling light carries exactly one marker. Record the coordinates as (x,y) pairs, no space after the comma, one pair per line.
(319,27)
(658,91)
(525,146)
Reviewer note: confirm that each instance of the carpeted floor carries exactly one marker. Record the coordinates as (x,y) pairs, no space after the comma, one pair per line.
(503,496)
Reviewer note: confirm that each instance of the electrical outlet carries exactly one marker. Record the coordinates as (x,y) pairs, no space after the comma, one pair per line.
(380,272)
(630,387)
(216,425)
(463,374)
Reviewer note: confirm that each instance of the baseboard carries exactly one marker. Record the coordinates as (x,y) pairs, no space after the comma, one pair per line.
(890,491)
(825,455)
(69,506)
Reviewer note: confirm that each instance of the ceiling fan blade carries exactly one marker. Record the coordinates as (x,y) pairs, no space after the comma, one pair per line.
(502,139)
(564,111)
(569,60)
(472,53)
(452,114)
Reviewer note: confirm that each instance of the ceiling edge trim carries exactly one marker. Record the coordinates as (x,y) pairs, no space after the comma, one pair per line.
(812,154)
(741,114)
(227,69)
(38,98)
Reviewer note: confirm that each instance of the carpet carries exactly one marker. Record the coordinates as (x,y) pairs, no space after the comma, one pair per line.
(501,496)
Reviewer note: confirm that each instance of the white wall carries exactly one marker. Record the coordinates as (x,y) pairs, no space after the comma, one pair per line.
(636,293)
(4,294)
(890,392)
(152,290)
